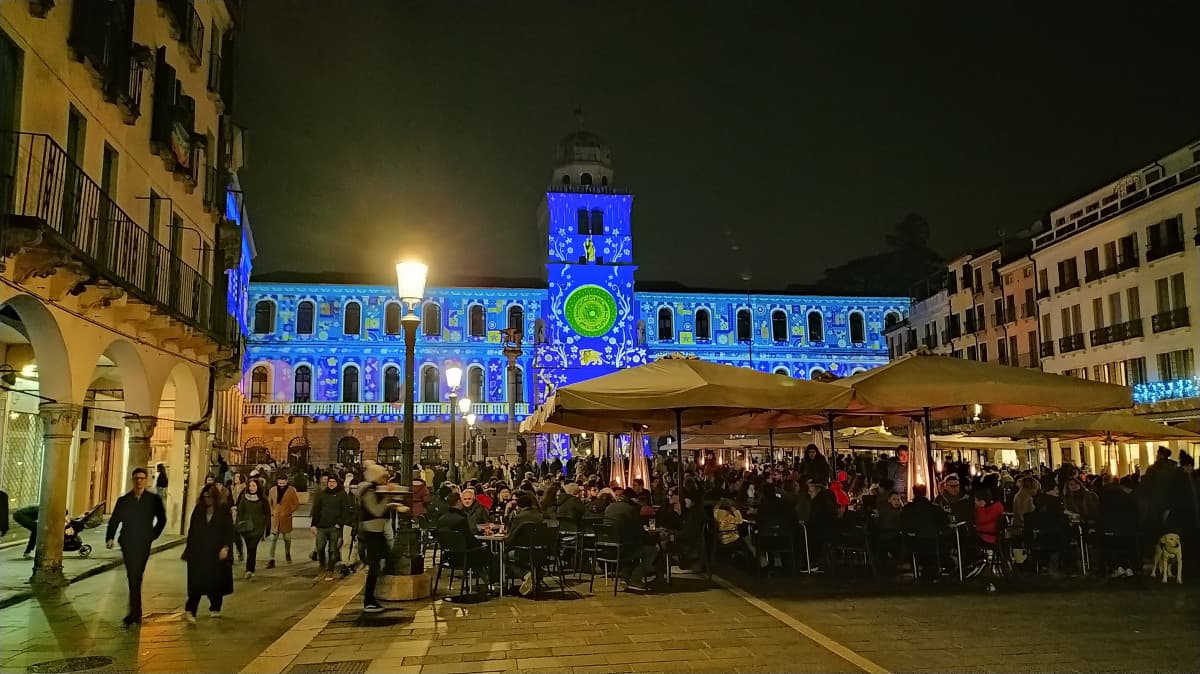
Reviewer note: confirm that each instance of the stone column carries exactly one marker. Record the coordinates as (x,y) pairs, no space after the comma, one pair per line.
(59,422)
(140,429)
(1055,454)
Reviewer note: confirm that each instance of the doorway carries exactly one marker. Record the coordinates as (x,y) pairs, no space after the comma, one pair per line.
(101,476)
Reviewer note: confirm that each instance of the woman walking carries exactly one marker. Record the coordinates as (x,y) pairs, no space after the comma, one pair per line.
(253,519)
(209,562)
(236,490)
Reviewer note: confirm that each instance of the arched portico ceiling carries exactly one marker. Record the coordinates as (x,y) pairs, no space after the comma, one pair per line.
(31,320)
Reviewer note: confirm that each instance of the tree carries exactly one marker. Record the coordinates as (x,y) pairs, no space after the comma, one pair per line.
(910,259)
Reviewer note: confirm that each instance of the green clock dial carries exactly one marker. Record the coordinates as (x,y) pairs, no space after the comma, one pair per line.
(591,310)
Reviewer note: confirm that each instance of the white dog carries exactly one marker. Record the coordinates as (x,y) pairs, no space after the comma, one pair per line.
(1169,551)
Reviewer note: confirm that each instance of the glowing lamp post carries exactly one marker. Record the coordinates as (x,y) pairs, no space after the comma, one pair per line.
(464,408)
(410,281)
(470,432)
(453,381)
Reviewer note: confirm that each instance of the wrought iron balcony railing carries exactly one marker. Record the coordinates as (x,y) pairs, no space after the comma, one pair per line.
(1117,332)
(1169,320)
(45,190)
(1164,248)
(1070,343)
(1047,349)
(375,409)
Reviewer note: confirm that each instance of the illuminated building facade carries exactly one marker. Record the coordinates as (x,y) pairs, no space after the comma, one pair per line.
(324,368)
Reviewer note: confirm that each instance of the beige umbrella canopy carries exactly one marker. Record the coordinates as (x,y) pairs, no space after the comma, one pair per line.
(1109,426)
(946,386)
(651,395)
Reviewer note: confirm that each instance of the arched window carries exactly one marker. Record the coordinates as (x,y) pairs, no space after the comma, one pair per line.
(858,328)
(516,319)
(302,384)
(350,384)
(476,321)
(890,319)
(516,388)
(703,325)
(744,320)
(305,312)
(431,319)
(779,325)
(603,180)
(816,373)
(348,451)
(583,224)
(783,371)
(597,222)
(264,317)
(389,451)
(391,384)
(391,319)
(260,384)
(816,327)
(475,384)
(352,319)
(566,179)
(431,384)
(585,179)
(666,324)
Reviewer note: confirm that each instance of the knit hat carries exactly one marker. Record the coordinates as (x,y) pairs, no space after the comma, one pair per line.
(374,472)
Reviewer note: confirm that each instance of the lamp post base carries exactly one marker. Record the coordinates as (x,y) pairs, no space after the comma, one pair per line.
(405,588)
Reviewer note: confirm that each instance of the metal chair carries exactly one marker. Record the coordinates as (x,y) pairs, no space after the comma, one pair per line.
(777,539)
(606,551)
(454,557)
(538,543)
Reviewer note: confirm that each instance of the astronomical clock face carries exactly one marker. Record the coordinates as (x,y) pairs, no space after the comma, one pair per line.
(590,310)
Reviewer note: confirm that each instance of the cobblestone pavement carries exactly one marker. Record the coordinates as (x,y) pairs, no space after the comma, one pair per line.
(85,619)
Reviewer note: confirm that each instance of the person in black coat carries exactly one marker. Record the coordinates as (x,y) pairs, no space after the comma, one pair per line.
(924,523)
(141,517)
(209,562)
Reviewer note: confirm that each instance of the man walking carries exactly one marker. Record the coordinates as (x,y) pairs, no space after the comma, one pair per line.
(331,509)
(141,517)
(284,502)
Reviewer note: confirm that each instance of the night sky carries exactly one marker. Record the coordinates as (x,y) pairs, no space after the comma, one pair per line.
(795,133)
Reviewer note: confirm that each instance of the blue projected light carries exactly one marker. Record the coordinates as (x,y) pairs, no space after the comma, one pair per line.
(587,321)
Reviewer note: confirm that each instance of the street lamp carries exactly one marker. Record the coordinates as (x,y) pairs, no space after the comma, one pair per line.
(410,281)
(453,380)
(470,418)
(464,408)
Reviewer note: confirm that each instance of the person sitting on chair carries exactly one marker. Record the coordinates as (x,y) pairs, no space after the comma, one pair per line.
(526,514)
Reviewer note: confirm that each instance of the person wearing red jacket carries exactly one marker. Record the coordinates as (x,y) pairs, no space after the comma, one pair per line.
(987,516)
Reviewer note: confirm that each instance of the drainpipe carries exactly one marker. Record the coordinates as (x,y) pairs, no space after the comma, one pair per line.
(187,443)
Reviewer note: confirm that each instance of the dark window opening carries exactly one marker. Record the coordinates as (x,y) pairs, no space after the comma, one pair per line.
(304,317)
(352,321)
(666,324)
(302,390)
(350,384)
(744,320)
(391,319)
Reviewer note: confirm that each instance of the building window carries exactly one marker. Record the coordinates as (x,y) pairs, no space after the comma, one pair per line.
(516,319)
(350,384)
(516,385)
(597,222)
(431,319)
(744,321)
(666,324)
(816,327)
(431,384)
(703,325)
(352,319)
(475,384)
(302,384)
(260,385)
(264,317)
(779,325)
(566,179)
(476,321)
(816,373)
(583,224)
(782,371)
(391,384)
(1179,364)
(305,312)
(890,319)
(585,179)
(391,319)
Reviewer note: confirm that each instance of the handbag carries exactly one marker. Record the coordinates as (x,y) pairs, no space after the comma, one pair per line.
(244,526)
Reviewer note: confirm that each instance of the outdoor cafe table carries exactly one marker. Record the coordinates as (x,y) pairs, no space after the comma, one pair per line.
(496,541)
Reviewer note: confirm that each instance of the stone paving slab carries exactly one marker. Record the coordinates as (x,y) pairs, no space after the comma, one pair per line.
(15,570)
(696,627)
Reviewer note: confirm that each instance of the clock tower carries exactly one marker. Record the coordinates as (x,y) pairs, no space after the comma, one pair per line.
(590,317)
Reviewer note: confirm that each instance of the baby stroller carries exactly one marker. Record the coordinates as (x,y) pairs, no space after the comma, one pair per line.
(72,542)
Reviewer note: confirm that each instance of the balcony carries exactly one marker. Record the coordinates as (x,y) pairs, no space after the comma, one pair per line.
(214,190)
(929,342)
(1070,343)
(1169,320)
(1047,349)
(1163,249)
(1043,293)
(214,73)
(1028,310)
(186,27)
(102,38)
(372,411)
(57,219)
(1067,284)
(1118,332)
(195,37)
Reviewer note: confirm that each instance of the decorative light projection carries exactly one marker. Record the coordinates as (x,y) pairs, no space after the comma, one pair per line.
(1155,391)
(237,284)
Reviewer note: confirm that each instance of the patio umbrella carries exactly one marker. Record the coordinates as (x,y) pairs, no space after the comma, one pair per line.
(1107,426)
(673,392)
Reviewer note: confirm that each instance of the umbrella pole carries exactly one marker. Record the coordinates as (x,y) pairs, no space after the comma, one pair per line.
(928,454)
(832,445)
(771,442)
(679,444)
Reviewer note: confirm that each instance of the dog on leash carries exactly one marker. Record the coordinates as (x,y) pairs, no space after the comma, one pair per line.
(1168,552)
